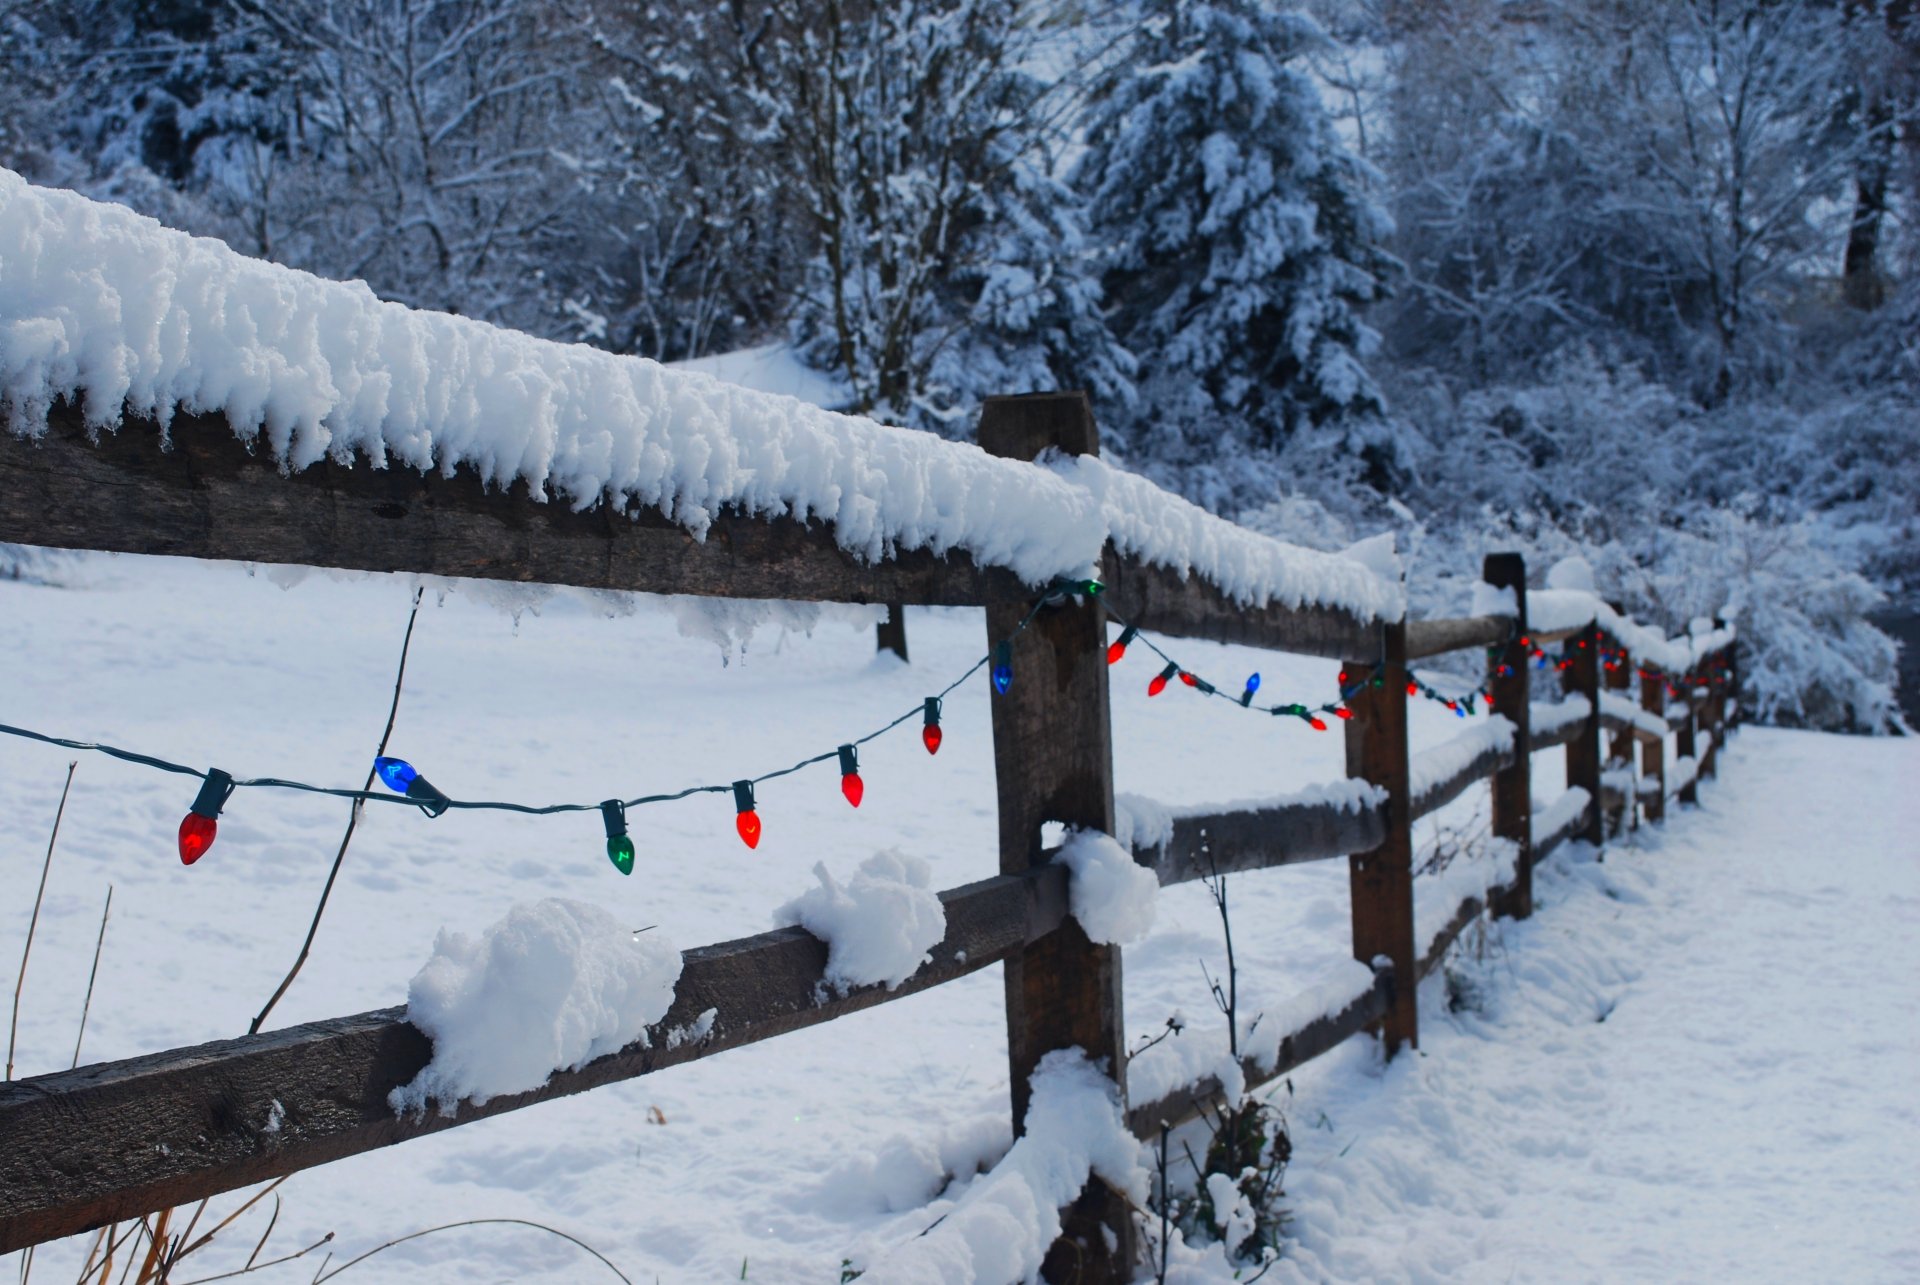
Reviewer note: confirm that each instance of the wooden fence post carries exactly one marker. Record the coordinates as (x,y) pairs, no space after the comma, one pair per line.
(1507,679)
(891,635)
(1381,881)
(1053,761)
(1583,752)
(1653,754)
(1683,740)
(1617,676)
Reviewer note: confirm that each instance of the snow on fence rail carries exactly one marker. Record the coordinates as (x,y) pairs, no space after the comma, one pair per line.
(308,423)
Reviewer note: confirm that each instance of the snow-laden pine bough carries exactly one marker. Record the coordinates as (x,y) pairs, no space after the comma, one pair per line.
(163,395)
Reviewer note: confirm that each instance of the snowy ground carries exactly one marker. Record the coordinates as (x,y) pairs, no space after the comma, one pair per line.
(1745,1106)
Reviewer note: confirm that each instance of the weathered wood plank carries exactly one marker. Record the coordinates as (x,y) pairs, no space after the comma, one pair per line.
(1436,637)
(1261,838)
(1053,761)
(1380,882)
(1322,1035)
(79,1149)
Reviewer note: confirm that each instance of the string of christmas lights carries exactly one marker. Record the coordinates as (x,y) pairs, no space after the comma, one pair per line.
(1461,706)
(407,785)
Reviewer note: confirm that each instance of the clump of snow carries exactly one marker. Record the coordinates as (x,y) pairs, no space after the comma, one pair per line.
(1140,823)
(1552,610)
(1112,895)
(695,1032)
(1376,553)
(878,926)
(104,305)
(1000,1227)
(1489,601)
(1546,717)
(1574,573)
(552,986)
(908,1170)
(1432,768)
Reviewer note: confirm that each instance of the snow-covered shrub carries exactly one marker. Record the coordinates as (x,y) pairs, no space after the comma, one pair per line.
(1808,655)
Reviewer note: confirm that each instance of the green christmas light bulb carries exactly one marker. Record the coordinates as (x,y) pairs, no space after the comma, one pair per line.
(619,842)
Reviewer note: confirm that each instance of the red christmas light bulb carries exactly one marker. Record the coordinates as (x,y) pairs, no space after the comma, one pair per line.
(1413,689)
(931,738)
(1115,650)
(1343,712)
(747,821)
(1187,678)
(850,783)
(1159,683)
(196,836)
(1317,724)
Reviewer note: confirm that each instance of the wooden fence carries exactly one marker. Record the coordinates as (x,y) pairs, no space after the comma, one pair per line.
(110,1142)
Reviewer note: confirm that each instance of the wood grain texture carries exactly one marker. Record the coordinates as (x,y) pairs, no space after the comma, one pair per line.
(113,1141)
(1509,678)
(1381,881)
(1437,637)
(1322,1035)
(1053,761)
(1261,838)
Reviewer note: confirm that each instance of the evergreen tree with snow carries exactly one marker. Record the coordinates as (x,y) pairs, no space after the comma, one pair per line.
(1241,241)
(947,263)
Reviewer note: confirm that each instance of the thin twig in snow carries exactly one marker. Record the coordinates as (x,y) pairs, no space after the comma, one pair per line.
(353,820)
(13,1030)
(93,976)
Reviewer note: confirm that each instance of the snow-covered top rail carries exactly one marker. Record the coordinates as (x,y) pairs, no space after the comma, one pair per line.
(1569,603)
(107,307)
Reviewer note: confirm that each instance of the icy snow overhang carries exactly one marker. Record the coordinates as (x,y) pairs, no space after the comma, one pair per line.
(109,310)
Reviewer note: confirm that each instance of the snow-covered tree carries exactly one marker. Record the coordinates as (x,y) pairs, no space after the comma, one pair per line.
(1241,242)
(917,134)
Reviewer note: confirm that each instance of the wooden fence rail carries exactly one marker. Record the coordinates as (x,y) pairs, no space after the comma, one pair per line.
(111,1142)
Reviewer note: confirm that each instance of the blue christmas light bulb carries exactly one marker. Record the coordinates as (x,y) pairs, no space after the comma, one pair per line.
(397,774)
(1003,668)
